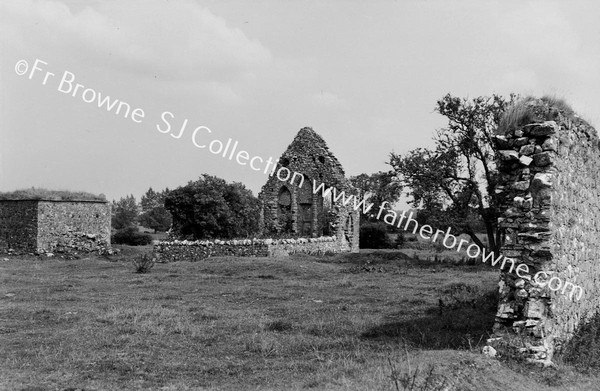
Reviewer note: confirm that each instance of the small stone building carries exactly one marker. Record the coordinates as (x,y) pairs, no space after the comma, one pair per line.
(287,207)
(29,226)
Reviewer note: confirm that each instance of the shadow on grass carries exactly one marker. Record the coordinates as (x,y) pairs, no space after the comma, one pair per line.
(388,259)
(583,350)
(463,320)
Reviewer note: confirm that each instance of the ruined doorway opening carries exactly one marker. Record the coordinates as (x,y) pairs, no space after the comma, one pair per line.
(284,209)
(349,228)
(327,215)
(305,209)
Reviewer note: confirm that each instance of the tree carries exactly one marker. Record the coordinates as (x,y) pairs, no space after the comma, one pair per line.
(157,218)
(212,208)
(151,199)
(377,188)
(374,235)
(454,183)
(124,212)
(155,215)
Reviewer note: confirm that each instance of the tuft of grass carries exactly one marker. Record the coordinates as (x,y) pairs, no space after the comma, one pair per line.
(518,114)
(279,325)
(414,378)
(530,109)
(265,344)
(54,195)
(144,263)
(557,103)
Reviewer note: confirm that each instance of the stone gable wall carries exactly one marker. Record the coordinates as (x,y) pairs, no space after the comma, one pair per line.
(550,186)
(308,155)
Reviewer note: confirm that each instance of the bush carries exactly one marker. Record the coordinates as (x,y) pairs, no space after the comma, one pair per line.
(212,208)
(374,235)
(399,242)
(131,236)
(144,263)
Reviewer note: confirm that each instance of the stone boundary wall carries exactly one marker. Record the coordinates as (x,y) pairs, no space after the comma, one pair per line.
(172,251)
(550,186)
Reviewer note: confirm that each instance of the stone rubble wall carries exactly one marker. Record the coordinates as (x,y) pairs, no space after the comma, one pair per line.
(316,246)
(549,182)
(48,226)
(65,226)
(172,251)
(18,226)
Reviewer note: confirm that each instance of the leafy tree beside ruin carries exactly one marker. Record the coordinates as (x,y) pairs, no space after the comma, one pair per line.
(124,212)
(157,218)
(212,208)
(376,189)
(154,214)
(453,184)
(151,199)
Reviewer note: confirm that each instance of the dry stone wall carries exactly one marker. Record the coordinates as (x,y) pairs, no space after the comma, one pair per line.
(549,183)
(172,251)
(48,226)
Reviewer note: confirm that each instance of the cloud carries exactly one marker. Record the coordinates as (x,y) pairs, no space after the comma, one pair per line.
(328,100)
(541,35)
(175,41)
(543,47)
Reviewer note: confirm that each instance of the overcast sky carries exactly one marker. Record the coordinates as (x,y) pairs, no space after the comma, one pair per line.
(365,75)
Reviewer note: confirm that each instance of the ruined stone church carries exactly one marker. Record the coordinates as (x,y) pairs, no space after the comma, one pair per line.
(288,208)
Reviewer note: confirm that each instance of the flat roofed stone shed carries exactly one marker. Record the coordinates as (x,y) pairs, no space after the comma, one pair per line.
(49,225)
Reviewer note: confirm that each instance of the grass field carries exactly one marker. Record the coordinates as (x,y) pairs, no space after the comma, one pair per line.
(369,321)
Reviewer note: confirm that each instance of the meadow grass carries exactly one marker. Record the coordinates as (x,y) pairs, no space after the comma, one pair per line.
(302,322)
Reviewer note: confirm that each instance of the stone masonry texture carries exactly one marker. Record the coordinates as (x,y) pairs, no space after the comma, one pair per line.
(173,251)
(287,208)
(18,225)
(47,226)
(549,178)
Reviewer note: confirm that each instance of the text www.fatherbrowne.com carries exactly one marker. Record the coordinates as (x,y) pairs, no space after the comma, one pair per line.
(541,278)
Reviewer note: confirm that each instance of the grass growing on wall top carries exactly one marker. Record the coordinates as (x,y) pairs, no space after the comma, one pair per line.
(530,109)
(34,193)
